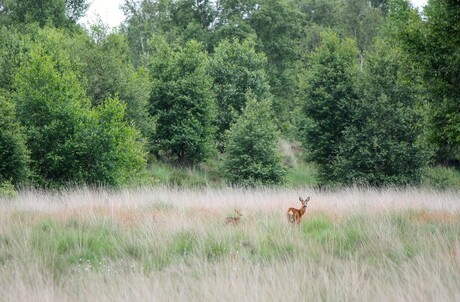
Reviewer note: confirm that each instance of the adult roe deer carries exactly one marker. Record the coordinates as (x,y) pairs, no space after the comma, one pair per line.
(234,220)
(295,215)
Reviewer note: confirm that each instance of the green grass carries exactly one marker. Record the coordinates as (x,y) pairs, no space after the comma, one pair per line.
(298,174)
(303,174)
(81,254)
(198,176)
(62,246)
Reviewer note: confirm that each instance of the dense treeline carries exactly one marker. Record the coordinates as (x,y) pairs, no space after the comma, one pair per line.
(370,89)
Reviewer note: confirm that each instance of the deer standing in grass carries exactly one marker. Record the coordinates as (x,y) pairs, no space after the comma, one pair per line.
(234,220)
(295,215)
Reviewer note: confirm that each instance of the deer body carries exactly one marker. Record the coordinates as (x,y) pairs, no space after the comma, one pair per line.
(295,215)
(234,220)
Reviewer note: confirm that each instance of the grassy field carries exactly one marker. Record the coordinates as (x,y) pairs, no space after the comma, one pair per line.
(164,244)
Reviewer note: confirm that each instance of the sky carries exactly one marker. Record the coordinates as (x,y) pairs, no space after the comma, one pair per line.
(110,13)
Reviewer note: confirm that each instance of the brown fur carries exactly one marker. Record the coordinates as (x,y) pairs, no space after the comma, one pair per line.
(295,215)
(234,220)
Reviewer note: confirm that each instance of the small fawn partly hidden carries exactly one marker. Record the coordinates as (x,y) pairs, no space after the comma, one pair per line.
(234,220)
(295,215)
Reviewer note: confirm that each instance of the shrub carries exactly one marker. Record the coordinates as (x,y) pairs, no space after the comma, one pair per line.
(69,141)
(441,178)
(252,155)
(14,157)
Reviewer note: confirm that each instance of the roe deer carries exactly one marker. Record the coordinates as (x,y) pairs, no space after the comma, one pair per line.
(295,215)
(234,220)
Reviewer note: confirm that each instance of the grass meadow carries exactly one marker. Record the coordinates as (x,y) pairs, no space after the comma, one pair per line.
(169,244)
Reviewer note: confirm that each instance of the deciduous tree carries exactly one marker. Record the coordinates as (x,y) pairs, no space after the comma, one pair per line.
(252,156)
(236,69)
(182,103)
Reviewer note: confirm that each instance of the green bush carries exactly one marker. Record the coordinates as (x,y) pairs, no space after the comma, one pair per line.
(70,142)
(236,69)
(182,104)
(252,156)
(7,190)
(362,125)
(110,150)
(441,178)
(14,157)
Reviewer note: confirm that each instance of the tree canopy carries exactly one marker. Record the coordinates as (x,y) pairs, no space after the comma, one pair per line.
(367,91)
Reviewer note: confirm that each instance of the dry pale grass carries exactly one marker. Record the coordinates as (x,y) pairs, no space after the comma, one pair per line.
(353,245)
(211,202)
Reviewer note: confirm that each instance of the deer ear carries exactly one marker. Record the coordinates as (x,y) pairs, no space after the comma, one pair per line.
(300,198)
(308,198)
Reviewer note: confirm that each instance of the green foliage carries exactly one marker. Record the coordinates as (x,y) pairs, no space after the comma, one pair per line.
(361,21)
(321,13)
(232,21)
(182,104)
(59,13)
(441,178)
(12,47)
(14,156)
(280,27)
(49,106)
(236,69)
(110,74)
(195,176)
(440,65)
(108,149)
(327,97)
(252,155)
(380,144)
(431,46)
(302,174)
(70,142)
(178,21)
(7,190)
(362,129)
(179,97)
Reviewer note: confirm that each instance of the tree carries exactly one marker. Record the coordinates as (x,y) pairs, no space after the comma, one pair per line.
(14,156)
(108,150)
(69,142)
(60,13)
(380,145)
(328,93)
(75,9)
(110,74)
(359,20)
(182,103)
(232,20)
(279,25)
(236,69)
(178,21)
(432,45)
(12,47)
(321,13)
(252,156)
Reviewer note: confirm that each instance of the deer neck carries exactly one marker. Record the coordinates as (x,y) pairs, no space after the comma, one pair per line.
(303,210)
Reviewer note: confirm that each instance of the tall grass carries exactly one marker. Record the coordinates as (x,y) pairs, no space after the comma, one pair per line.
(163,244)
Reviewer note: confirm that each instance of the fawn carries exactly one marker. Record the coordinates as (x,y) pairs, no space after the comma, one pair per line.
(234,220)
(294,215)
